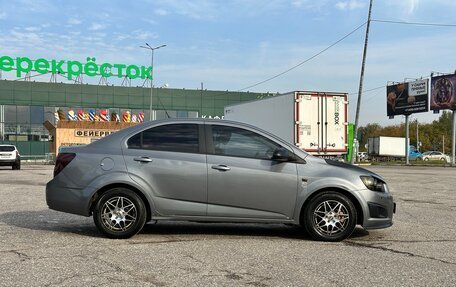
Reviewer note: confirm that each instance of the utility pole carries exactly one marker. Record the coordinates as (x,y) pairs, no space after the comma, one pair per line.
(443,143)
(361,78)
(201,104)
(151,112)
(417,138)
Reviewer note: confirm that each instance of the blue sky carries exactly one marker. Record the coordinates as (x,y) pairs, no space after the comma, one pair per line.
(229,45)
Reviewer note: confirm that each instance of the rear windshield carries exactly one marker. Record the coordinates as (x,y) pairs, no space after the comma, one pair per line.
(7,148)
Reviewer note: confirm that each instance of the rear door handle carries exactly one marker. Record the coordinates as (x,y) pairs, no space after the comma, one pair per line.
(143,159)
(221,167)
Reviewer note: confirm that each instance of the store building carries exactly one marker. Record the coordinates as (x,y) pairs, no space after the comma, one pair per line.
(26,105)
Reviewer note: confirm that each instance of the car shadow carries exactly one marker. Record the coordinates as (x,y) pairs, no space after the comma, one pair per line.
(53,221)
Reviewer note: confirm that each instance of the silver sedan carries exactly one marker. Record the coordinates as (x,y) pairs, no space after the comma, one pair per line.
(213,171)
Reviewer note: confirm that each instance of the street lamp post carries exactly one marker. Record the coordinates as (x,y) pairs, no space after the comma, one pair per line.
(152,76)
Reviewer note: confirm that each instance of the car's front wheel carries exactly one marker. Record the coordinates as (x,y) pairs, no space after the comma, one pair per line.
(119,213)
(330,216)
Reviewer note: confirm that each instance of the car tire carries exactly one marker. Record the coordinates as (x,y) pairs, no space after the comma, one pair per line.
(426,159)
(330,216)
(119,213)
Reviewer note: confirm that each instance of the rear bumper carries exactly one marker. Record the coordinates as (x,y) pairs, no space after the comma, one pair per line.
(66,199)
(4,162)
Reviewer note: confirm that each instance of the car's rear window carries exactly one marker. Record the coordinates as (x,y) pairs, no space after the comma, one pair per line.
(172,137)
(6,148)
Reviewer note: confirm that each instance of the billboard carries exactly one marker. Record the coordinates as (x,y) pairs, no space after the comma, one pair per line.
(407,98)
(443,94)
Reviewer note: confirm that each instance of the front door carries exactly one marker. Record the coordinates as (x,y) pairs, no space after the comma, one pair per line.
(243,181)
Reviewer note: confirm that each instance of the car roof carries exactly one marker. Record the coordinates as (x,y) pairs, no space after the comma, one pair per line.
(121,134)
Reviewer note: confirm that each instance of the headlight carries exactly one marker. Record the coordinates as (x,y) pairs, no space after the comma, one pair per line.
(373,183)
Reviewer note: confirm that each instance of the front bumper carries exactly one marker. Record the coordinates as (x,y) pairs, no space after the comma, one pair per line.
(378,209)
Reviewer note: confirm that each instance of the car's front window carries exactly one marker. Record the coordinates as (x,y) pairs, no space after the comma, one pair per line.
(231,141)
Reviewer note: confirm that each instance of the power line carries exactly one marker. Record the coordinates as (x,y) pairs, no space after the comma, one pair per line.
(366,91)
(306,60)
(340,40)
(415,23)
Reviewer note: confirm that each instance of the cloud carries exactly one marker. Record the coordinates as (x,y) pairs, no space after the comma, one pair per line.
(3,16)
(32,29)
(298,3)
(197,9)
(409,7)
(144,35)
(412,5)
(350,5)
(74,21)
(161,12)
(97,26)
(150,21)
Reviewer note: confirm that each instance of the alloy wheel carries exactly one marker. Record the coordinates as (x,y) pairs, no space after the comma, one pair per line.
(119,213)
(331,217)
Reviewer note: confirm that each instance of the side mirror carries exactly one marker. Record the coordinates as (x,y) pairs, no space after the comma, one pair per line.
(281,154)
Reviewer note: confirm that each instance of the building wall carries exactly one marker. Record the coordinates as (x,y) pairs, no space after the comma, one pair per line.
(26,105)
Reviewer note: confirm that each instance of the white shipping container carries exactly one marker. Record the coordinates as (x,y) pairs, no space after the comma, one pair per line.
(314,121)
(386,146)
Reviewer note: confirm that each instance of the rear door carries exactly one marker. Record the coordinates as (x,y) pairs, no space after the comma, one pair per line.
(243,181)
(170,162)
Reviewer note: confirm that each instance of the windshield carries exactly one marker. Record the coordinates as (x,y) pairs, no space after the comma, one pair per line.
(7,148)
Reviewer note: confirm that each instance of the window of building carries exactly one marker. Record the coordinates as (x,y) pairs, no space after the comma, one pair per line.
(36,115)
(23,114)
(10,114)
(49,114)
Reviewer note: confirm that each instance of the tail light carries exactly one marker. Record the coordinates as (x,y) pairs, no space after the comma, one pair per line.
(63,159)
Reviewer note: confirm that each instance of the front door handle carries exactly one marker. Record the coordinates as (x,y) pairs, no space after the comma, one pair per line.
(221,167)
(143,159)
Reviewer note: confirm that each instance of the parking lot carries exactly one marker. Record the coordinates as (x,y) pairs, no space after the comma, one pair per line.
(40,247)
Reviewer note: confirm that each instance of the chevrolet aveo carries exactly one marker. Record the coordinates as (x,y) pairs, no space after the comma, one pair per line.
(213,171)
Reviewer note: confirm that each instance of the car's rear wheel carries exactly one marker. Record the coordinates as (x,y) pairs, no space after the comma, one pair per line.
(426,159)
(330,216)
(119,213)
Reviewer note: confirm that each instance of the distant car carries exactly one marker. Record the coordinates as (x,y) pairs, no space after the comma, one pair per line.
(9,155)
(435,155)
(363,156)
(414,154)
(214,171)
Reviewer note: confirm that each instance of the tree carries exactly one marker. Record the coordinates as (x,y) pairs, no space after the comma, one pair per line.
(431,135)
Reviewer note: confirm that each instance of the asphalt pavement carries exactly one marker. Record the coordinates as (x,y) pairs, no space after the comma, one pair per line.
(41,247)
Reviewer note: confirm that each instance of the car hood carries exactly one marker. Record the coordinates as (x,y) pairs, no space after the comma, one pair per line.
(326,167)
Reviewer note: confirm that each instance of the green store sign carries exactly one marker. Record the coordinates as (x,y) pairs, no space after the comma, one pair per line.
(73,69)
